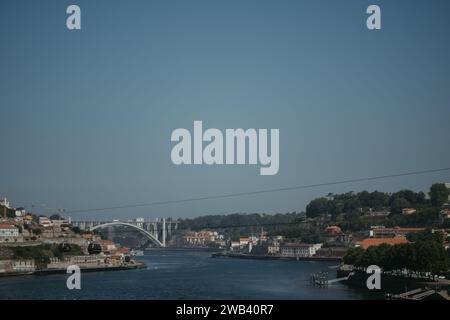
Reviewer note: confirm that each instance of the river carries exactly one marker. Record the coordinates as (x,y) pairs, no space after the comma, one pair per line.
(187,274)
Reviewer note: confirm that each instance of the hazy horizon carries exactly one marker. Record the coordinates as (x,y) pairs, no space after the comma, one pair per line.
(86,116)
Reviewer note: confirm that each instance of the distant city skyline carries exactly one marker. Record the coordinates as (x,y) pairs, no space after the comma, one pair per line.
(86,116)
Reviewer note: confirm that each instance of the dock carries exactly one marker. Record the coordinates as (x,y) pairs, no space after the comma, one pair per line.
(321,279)
(416,294)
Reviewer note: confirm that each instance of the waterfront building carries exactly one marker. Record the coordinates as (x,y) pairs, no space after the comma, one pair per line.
(244,241)
(24,265)
(20,265)
(9,234)
(234,245)
(273,247)
(85,261)
(88,260)
(299,249)
(221,243)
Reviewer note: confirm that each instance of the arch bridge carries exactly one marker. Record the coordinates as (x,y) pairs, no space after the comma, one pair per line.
(156,231)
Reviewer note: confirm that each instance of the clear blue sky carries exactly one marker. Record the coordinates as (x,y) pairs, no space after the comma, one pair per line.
(86,116)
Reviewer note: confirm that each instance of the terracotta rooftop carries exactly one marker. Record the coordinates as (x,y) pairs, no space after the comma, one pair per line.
(106,242)
(398,229)
(6,226)
(366,243)
(335,229)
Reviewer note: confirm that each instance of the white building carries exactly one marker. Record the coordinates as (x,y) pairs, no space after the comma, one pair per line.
(234,245)
(94,260)
(17,266)
(244,241)
(7,230)
(273,247)
(24,265)
(45,222)
(299,249)
(9,234)
(21,213)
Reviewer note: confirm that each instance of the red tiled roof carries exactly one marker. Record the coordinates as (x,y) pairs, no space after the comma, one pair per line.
(106,242)
(122,250)
(398,229)
(6,226)
(366,243)
(335,229)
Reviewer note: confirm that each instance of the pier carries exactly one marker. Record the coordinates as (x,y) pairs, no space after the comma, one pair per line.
(321,279)
(416,294)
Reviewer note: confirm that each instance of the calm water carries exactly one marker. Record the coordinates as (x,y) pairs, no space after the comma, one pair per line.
(180,274)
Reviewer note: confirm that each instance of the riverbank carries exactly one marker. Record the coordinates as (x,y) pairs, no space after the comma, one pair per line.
(42,272)
(392,285)
(273,257)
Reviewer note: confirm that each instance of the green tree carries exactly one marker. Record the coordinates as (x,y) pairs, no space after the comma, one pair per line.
(317,207)
(398,203)
(426,235)
(354,256)
(76,230)
(421,256)
(438,194)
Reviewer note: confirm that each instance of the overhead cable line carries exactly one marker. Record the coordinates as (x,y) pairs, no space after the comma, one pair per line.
(249,193)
